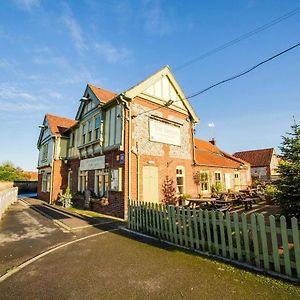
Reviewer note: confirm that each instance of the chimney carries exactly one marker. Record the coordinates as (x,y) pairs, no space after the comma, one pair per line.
(213,142)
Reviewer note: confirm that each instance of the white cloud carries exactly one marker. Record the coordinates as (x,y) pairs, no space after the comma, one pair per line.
(8,92)
(55,95)
(157,20)
(28,5)
(74,29)
(113,54)
(211,125)
(14,98)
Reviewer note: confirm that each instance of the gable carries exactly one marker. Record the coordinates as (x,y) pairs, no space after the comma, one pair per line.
(87,106)
(160,88)
(163,89)
(45,132)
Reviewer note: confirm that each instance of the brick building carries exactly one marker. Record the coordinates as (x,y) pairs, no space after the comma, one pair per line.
(215,168)
(121,146)
(264,163)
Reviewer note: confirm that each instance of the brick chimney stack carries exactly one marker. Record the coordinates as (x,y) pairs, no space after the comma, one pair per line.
(213,142)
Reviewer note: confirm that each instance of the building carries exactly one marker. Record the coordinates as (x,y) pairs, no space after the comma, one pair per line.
(216,169)
(120,146)
(264,163)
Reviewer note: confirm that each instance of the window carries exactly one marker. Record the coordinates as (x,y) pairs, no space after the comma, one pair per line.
(90,131)
(83,180)
(218,177)
(180,180)
(84,134)
(116,180)
(113,126)
(101,183)
(70,180)
(46,181)
(204,181)
(45,152)
(97,128)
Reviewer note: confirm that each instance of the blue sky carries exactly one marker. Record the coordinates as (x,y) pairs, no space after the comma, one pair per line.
(49,50)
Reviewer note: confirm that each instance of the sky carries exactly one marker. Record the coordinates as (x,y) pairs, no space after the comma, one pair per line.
(50,50)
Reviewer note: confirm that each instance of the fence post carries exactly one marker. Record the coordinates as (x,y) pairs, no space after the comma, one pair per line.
(173,225)
(195,220)
(202,230)
(129,214)
(274,244)
(179,225)
(191,237)
(223,241)
(215,230)
(263,236)
(296,244)
(246,237)
(237,235)
(285,246)
(255,240)
(229,234)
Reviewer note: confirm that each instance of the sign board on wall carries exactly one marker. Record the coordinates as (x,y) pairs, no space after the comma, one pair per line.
(94,163)
(164,133)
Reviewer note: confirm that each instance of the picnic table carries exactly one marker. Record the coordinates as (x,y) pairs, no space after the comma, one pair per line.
(209,203)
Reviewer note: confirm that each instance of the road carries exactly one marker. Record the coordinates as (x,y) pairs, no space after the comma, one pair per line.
(104,264)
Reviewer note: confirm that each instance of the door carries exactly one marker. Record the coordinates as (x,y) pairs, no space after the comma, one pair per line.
(227,181)
(237,181)
(150,184)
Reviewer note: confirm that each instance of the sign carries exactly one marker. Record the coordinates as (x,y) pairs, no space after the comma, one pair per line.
(164,133)
(94,163)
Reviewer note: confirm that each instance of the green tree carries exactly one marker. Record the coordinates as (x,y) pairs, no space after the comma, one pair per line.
(288,195)
(8,172)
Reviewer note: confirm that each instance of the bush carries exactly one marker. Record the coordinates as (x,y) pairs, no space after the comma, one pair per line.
(66,198)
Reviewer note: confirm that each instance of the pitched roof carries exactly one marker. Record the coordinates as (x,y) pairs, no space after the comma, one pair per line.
(210,155)
(102,94)
(59,125)
(257,158)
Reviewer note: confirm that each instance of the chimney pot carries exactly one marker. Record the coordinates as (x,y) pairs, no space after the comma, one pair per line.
(213,142)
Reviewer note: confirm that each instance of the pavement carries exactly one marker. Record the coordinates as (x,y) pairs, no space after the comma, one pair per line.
(102,262)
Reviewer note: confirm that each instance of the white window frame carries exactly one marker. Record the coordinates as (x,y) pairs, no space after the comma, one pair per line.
(82,186)
(182,175)
(104,175)
(204,182)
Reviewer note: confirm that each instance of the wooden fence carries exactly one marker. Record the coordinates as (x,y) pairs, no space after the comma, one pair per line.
(265,243)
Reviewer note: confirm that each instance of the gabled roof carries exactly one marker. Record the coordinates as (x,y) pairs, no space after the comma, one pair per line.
(59,125)
(210,155)
(257,158)
(101,94)
(165,71)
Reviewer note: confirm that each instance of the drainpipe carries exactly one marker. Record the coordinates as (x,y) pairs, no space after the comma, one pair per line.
(193,143)
(52,170)
(137,170)
(123,98)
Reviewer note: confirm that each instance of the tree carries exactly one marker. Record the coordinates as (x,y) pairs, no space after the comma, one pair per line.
(8,172)
(169,191)
(288,195)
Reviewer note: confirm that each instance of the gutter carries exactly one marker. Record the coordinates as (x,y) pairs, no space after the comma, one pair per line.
(52,170)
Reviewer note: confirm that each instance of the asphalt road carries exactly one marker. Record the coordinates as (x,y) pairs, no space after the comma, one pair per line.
(104,264)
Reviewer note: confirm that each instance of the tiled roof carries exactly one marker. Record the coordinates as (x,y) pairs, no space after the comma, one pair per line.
(59,125)
(257,158)
(210,155)
(101,94)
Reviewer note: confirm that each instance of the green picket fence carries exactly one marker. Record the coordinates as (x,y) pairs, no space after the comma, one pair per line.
(255,240)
